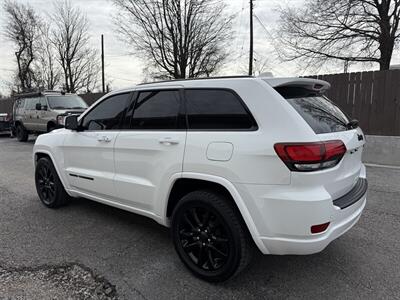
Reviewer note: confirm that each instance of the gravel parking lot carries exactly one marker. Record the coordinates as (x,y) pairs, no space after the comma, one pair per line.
(89,250)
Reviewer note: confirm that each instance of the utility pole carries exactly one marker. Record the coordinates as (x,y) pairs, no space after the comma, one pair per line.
(251,40)
(346,66)
(102,64)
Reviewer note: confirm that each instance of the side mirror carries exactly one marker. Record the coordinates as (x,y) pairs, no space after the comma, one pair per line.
(38,106)
(71,122)
(44,107)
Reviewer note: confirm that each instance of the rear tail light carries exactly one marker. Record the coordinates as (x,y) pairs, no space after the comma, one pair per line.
(8,117)
(306,157)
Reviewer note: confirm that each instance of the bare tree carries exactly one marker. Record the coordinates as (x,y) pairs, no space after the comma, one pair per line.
(47,72)
(347,30)
(179,38)
(22,29)
(71,39)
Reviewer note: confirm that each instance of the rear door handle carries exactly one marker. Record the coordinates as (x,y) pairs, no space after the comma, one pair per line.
(168,141)
(104,138)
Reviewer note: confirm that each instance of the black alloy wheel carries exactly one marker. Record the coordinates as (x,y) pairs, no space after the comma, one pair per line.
(204,238)
(209,236)
(48,185)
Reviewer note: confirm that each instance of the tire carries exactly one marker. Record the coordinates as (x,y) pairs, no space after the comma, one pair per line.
(22,133)
(48,185)
(210,237)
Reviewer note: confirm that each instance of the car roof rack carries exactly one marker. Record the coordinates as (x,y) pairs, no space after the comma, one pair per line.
(38,94)
(198,78)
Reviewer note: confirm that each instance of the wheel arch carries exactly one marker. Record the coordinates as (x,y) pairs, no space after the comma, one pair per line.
(51,123)
(42,153)
(188,182)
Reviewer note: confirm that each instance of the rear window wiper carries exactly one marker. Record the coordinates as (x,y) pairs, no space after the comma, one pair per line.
(352,124)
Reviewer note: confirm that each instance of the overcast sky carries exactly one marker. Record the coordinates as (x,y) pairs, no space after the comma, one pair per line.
(124,69)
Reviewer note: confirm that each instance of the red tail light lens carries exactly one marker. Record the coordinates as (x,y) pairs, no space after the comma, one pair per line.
(306,157)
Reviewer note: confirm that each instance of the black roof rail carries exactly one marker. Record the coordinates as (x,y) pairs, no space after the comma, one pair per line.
(37,94)
(198,78)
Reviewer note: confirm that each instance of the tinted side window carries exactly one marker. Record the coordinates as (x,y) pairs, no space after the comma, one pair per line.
(156,110)
(107,115)
(216,109)
(43,101)
(31,103)
(20,103)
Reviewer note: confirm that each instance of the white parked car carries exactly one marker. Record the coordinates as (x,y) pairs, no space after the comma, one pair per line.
(227,163)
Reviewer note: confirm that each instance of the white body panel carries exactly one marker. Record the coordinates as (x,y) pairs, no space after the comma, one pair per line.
(144,163)
(136,170)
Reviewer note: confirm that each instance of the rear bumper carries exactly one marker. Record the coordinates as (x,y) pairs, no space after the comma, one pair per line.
(5,126)
(302,246)
(283,215)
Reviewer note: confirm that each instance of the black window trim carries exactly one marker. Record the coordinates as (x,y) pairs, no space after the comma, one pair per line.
(181,124)
(129,101)
(253,128)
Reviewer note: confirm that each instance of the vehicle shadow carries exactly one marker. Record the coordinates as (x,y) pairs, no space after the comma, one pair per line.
(266,274)
(5,135)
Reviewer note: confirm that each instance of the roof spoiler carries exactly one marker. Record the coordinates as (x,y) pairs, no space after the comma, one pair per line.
(311,84)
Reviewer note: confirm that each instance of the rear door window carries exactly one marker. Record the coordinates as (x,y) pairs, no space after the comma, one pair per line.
(156,110)
(321,114)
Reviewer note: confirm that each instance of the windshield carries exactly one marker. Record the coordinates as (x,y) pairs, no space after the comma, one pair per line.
(66,102)
(321,114)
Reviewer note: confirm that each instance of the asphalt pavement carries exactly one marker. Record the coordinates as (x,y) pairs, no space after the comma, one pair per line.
(87,250)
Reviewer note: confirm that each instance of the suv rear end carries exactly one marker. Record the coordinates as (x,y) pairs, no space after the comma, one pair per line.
(5,122)
(326,192)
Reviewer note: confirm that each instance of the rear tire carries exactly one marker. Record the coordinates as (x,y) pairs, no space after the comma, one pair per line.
(22,133)
(48,185)
(210,237)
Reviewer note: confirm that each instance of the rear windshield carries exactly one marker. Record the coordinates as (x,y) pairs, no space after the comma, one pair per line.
(66,102)
(318,111)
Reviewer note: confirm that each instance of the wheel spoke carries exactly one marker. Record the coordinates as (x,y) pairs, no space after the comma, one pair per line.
(196,217)
(206,218)
(188,246)
(201,259)
(211,262)
(185,216)
(218,251)
(220,240)
(186,234)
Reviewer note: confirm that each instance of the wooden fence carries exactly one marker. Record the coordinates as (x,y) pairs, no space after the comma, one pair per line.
(373,98)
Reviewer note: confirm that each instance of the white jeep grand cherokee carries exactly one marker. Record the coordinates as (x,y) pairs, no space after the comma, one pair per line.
(226,163)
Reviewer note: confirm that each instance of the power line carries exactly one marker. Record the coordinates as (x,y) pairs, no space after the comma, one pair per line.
(120,78)
(251,39)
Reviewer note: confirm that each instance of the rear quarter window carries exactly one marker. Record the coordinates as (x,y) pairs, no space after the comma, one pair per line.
(217,109)
(321,114)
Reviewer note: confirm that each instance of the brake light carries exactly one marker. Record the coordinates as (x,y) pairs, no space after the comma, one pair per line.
(306,157)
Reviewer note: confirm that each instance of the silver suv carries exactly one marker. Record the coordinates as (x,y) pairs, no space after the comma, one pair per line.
(44,112)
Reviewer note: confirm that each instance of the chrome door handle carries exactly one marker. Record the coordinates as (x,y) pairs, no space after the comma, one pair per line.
(168,141)
(104,138)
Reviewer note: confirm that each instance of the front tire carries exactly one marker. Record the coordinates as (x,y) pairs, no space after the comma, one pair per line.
(48,185)
(210,237)
(22,133)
